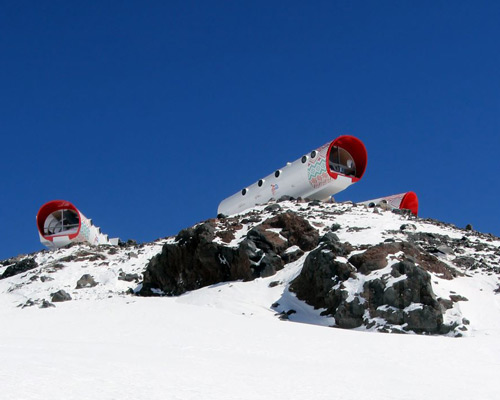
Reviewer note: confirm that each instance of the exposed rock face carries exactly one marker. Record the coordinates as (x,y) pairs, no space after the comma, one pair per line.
(19,267)
(196,260)
(401,294)
(376,258)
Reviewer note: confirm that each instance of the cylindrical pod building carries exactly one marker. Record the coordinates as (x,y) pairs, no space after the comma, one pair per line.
(60,223)
(402,201)
(318,175)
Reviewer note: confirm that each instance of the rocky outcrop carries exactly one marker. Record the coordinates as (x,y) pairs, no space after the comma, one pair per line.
(19,267)
(376,258)
(365,291)
(196,259)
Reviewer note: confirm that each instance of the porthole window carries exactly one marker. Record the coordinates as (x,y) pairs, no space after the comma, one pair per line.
(277,173)
(261,182)
(313,153)
(244,192)
(304,159)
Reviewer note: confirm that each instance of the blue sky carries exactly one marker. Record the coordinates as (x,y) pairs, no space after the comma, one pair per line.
(146,115)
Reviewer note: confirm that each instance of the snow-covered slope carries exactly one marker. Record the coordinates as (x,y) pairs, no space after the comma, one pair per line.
(238,340)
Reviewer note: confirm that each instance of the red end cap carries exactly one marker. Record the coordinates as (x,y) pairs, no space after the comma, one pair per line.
(356,149)
(49,208)
(410,202)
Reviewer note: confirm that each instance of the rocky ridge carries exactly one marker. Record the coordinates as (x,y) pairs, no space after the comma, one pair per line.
(352,267)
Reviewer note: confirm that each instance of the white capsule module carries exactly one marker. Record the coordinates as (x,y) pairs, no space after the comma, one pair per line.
(402,201)
(318,176)
(60,223)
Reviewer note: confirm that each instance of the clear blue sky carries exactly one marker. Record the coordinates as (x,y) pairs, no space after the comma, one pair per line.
(146,115)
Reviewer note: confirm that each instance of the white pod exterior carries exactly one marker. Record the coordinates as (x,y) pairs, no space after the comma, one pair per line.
(60,223)
(318,176)
(402,201)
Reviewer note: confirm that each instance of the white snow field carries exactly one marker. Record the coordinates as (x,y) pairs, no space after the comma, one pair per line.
(226,341)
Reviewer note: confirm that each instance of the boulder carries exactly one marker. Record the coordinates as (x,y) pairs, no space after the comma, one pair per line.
(86,281)
(60,296)
(195,260)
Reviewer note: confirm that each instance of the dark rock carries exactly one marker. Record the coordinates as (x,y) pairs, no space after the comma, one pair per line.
(376,258)
(28,303)
(196,260)
(46,304)
(469,263)
(285,198)
(86,281)
(128,277)
(400,211)
(349,315)
(445,304)
(329,237)
(295,229)
(456,297)
(335,227)
(269,265)
(273,208)
(468,227)
(267,240)
(60,296)
(319,274)
(221,216)
(226,236)
(291,256)
(45,278)
(19,267)
(416,288)
(392,315)
(408,228)
(424,320)
(128,243)
(274,284)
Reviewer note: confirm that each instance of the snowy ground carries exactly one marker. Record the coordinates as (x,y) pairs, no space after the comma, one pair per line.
(163,348)
(226,341)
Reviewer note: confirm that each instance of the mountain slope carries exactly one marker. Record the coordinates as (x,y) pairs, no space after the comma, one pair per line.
(227,340)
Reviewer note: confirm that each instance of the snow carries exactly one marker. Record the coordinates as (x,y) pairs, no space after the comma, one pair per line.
(161,348)
(237,340)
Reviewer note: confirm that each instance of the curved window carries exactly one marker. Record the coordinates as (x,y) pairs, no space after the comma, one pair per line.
(261,182)
(304,159)
(341,161)
(277,173)
(62,222)
(313,153)
(244,192)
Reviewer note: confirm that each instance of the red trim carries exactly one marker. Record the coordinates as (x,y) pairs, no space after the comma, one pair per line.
(410,202)
(49,208)
(356,149)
